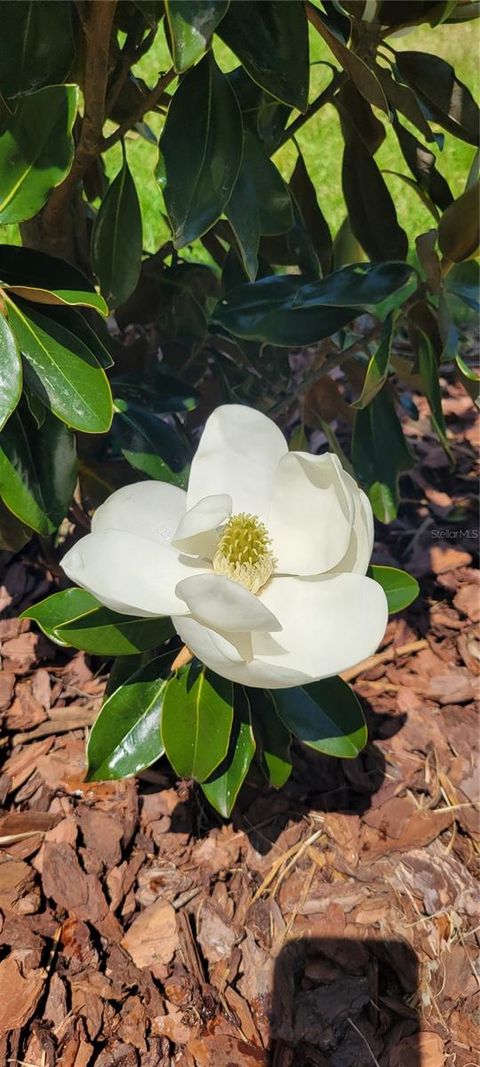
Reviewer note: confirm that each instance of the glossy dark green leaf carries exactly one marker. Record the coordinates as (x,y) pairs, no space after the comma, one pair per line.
(370,207)
(448,100)
(200,151)
(262,114)
(191,24)
(97,340)
(423,196)
(357,285)
(271,40)
(400,588)
(197,721)
(222,789)
(126,736)
(422,164)
(10,372)
(355,110)
(362,76)
(429,373)
(324,715)
(140,432)
(62,370)
(403,99)
(380,454)
(273,738)
(260,202)
(378,365)
(37,470)
(107,633)
(37,45)
(264,311)
(36,150)
(314,220)
(463,281)
(60,608)
(27,266)
(117,239)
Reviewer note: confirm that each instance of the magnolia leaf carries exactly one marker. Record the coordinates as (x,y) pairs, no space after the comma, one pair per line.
(10,372)
(60,608)
(197,721)
(117,239)
(38,469)
(400,588)
(126,736)
(271,42)
(324,715)
(191,24)
(223,787)
(380,454)
(36,150)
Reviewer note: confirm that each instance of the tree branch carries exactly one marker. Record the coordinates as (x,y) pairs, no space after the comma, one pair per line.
(325,97)
(147,104)
(97,30)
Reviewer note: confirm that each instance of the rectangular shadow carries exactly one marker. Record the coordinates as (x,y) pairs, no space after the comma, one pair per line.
(342,1002)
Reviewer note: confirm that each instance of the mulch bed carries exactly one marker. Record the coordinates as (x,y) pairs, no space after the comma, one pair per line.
(334,923)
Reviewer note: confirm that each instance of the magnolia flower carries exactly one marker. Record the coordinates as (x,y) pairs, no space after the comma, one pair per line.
(261,563)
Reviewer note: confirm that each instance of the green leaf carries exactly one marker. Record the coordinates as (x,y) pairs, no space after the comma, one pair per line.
(126,736)
(314,220)
(286,310)
(26,266)
(196,722)
(422,163)
(62,370)
(36,151)
(448,100)
(400,588)
(273,738)
(324,715)
(117,239)
(13,534)
(403,99)
(200,153)
(10,372)
(107,633)
(38,467)
(262,114)
(429,373)
(264,311)
(464,282)
(75,322)
(358,285)
(377,369)
(191,24)
(259,204)
(37,45)
(363,78)
(222,789)
(60,608)
(271,41)
(149,443)
(371,210)
(380,454)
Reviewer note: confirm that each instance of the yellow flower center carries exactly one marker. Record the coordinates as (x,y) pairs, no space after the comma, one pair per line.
(243,552)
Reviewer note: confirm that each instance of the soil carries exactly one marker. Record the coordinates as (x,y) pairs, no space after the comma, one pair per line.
(333,923)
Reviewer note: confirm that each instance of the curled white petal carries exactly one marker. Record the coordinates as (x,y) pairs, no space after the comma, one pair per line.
(197,532)
(359,552)
(225,605)
(238,454)
(226,654)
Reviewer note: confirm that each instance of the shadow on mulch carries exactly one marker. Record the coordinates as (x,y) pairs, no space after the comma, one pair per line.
(340,1002)
(318,784)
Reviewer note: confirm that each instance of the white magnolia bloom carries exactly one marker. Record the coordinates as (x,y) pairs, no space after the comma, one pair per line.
(261,563)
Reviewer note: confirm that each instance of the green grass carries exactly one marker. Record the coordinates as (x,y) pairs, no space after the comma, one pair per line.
(320,139)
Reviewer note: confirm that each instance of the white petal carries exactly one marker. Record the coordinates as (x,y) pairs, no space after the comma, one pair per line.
(311,514)
(225,605)
(130,574)
(226,655)
(151,509)
(238,454)
(328,624)
(197,532)
(359,552)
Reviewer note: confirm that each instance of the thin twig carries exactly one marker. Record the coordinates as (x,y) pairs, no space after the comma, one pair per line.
(383,657)
(147,104)
(325,97)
